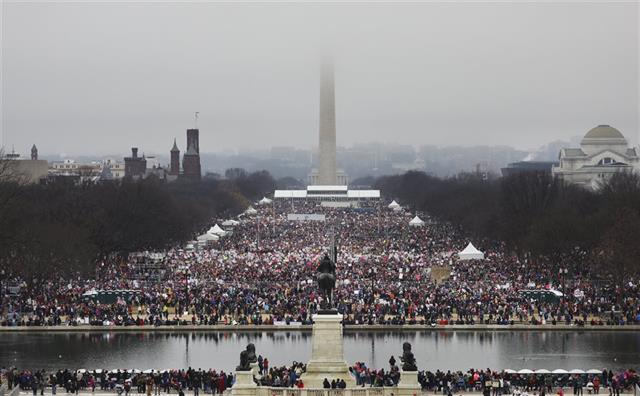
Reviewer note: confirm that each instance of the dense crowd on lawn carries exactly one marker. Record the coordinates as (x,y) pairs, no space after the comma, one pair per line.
(217,382)
(264,273)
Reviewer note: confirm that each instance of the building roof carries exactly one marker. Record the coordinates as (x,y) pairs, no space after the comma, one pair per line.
(326,188)
(574,152)
(604,132)
(328,194)
(175,146)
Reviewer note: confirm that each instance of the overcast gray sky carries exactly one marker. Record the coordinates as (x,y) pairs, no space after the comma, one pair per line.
(97,78)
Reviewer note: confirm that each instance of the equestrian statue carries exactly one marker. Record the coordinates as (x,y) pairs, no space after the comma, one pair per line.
(326,277)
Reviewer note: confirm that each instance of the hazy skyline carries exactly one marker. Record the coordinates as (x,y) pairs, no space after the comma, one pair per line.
(98,78)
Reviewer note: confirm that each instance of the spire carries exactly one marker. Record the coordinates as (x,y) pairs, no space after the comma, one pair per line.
(175,146)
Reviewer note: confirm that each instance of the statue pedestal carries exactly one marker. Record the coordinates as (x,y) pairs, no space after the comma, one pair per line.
(409,385)
(255,369)
(327,358)
(244,385)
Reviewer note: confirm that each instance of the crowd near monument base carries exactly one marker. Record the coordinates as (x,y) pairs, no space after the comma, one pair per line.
(327,364)
(327,358)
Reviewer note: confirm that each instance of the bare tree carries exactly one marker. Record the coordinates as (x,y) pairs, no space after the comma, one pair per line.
(619,250)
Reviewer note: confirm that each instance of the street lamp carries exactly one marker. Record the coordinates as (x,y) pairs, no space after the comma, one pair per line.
(563,274)
(186,288)
(373,271)
(258,234)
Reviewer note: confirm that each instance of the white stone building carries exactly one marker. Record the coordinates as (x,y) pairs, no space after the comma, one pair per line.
(603,151)
(116,167)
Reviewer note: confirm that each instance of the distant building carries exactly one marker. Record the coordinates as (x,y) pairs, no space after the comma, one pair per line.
(106,175)
(603,151)
(175,159)
(528,167)
(71,171)
(135,166)
(26,170)
(191,159)
(334,196)
(116,168)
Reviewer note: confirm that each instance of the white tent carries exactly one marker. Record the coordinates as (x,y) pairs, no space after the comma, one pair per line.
(470,253)
(416,222)
(230,223)
(264,201)
(208,237)
(250,211)
(216,230)
(394,205)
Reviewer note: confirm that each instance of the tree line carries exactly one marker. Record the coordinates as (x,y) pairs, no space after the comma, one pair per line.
(65,227)
(537,216)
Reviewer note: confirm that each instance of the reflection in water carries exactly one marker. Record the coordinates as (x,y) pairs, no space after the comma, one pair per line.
(433,349)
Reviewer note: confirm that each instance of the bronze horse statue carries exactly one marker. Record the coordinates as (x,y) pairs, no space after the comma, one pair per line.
(326,277)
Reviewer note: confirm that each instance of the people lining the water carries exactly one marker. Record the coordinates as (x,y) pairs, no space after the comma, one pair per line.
(210,381)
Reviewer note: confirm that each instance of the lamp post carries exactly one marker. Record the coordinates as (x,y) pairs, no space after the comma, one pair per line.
(373,271)
(186,288)
(258,234)
(563,274)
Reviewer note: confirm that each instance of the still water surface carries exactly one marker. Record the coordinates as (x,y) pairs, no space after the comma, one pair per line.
(433,349)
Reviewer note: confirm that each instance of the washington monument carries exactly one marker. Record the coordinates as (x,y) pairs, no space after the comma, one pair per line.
(327,146)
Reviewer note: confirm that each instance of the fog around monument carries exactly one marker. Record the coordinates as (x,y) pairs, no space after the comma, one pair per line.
(95,79)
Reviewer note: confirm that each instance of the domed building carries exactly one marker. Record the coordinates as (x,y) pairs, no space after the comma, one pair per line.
(603,151)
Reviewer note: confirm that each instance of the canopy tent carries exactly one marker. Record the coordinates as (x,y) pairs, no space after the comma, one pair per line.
(560,371)
(543,371)
(264,201)
(470,253)
(510,371)
(230,223)
(216,230)
(594,371)
(576,371)
(394,205)
(250,211)
(416,222)
(525,371)
(208,237)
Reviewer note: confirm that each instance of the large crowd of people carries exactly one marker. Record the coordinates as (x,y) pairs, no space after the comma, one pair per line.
(210,381)
(263,271)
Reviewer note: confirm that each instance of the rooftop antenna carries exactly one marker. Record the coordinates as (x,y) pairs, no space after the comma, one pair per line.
(196,119)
